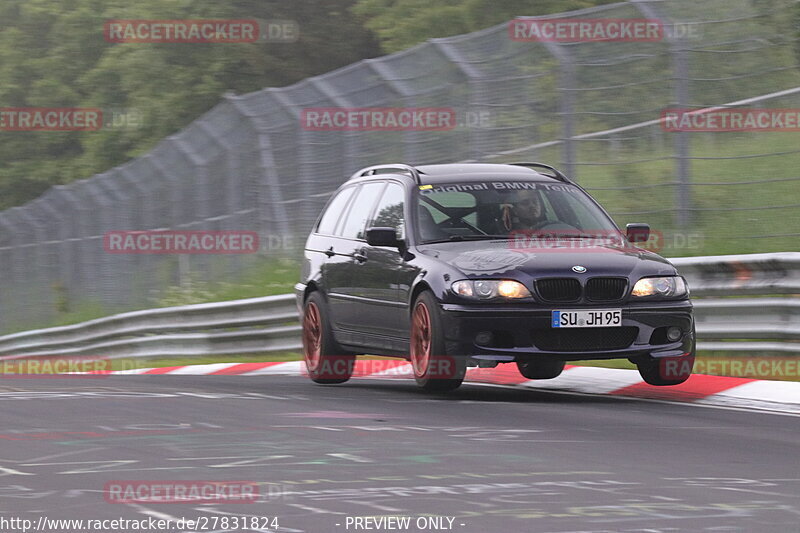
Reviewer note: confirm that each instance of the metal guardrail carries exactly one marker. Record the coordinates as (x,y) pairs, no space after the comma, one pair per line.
(737,275)
(740,323)
(218,328)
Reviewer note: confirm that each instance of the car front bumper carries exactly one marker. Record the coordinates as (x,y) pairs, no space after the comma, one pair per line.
(514,331)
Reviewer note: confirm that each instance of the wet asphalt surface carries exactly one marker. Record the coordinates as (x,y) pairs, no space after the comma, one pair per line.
(381,455)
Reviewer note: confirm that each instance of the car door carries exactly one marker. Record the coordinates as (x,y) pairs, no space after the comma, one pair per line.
(331,252)
(343,275)
(377,274)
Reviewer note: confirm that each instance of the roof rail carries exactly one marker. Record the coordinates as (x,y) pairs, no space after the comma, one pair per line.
(403,168)
(558,174)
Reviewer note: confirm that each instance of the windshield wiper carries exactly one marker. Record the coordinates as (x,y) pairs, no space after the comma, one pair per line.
(572,236)
(544,234)
(456,238)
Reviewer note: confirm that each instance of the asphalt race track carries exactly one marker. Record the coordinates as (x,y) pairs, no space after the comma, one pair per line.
(482,459)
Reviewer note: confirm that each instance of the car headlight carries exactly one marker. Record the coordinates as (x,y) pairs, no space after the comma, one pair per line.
(486,289)
(663,287)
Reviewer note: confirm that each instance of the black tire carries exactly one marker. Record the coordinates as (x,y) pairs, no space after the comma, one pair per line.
(326,362)
(540,368)
(434,369)
(667,371)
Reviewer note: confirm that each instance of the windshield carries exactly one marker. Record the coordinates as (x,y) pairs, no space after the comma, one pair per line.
(506,209)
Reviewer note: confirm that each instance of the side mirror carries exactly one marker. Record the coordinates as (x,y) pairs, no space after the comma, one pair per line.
(638,232)
(382,237)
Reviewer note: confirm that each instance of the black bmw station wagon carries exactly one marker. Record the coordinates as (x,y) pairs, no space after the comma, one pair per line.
(460,265)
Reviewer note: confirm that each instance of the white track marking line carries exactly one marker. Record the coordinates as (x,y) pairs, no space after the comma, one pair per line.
(775,397)
(785,392)
(73,452)
(594,380)
(131,371)
(204,369)
(290,368)
(768,411)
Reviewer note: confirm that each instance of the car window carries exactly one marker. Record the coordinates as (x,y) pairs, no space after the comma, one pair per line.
(389,212)
(501,208)
(360,209)
(333,213)
(452,199)
(549,212)
(586,218)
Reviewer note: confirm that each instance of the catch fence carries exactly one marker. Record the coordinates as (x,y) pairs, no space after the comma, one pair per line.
(590,107)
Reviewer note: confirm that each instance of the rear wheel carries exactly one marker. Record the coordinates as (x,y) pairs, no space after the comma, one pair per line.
(325,362)
(434,370)
(540,368)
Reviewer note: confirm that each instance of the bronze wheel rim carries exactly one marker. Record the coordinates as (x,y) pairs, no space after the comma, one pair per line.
(420,339)
(312,336)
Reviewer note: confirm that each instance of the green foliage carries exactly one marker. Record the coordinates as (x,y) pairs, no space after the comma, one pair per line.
(266,278)
(400,24)
(729,216)
(272,277)
(53,54)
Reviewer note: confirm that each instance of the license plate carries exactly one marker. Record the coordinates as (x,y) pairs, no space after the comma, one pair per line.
(587,318)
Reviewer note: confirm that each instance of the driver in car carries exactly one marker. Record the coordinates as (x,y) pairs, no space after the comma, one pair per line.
(525,211)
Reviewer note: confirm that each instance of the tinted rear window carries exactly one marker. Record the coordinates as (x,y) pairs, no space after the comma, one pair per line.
(360,209)
(334,211)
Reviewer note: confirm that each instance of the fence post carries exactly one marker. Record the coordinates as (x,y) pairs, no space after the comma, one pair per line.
(405,95)
(270,205)
(682,155)
(471,74)
(349,151)
(566,105)
(680,76)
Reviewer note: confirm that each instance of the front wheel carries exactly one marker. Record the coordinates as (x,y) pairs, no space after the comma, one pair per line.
(434,370)
(325,362)
(668,371)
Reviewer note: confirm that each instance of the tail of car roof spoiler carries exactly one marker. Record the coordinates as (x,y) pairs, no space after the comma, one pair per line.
(387,168)
(557,173)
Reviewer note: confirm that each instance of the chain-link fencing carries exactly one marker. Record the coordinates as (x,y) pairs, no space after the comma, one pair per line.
(591,107)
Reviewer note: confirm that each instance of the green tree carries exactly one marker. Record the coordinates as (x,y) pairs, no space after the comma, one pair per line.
(403,23)
(53,54)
